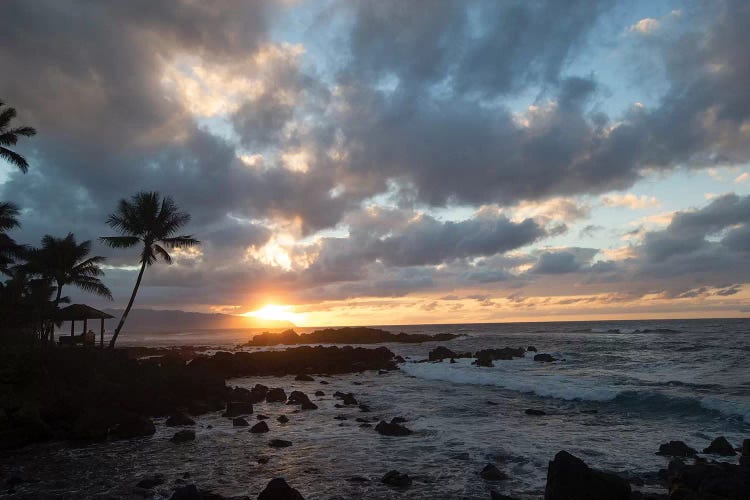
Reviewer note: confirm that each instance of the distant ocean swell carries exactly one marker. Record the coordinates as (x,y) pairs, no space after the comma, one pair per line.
(512,376)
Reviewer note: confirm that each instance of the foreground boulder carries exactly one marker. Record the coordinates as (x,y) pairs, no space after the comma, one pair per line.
(278,489)
(134,426)
(569,478)
(391,429)
(710,481)
(237,408)
(720,446)
(259,428)
(276,395)
(396,479)
(676,449)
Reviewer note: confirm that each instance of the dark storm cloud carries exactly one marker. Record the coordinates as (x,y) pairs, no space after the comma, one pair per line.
(564,261)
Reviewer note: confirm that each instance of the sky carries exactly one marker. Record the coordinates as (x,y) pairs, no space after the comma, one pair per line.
(390,162)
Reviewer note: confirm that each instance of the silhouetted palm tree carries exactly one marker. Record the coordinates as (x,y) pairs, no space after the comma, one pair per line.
(9,249)
(9,137)
(149,220)
(66,262)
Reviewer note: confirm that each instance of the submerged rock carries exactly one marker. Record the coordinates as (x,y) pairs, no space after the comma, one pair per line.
(570,478)
(492,473)
(546,358)
(279,443)
(391,429)
(278,489)
(720,446)
(183,436)
(304,378)
(396,479)
(283,419)
(320,393)
(676,449)
(532,411)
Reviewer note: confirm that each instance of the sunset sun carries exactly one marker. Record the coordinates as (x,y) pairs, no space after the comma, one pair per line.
(277,313)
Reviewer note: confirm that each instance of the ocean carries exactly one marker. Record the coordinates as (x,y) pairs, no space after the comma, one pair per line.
(620,389)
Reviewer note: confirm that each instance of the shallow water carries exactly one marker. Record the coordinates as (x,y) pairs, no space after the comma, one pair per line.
(687,381)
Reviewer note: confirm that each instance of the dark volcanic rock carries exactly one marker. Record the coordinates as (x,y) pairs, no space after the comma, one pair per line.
(546,358)
(134,426)
(283,419)
(676,449)
(387,429)
(279,443)
(183,436)
(531,348)
(532,411)
(440,353)
(239,422)
(259,428)
(179,419)
(398,420)
(297,398)
(720,446)
(492,473)
(364,409)
(276,395)
(319,359)
(349,399)
(320,393)
(187,492)
(262,417)
(237,408)
(710,481)
(348,335)
(309,405)
(506,353)
(570,478)
(278,489)
(149,482)
(485,361)
(396,479)
(304,378)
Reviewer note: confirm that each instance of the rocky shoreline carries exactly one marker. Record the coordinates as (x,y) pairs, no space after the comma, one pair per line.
(84,396)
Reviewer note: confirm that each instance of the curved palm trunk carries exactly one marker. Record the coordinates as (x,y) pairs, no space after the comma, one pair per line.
(51,326)
(127,309)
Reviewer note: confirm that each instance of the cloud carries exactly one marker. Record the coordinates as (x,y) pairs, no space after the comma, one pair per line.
(741,178)
(645,26)
(631,201)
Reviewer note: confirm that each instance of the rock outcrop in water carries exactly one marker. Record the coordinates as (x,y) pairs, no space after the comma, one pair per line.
(720,446)
(348,335)
(569,478)
(440,353)
(676,449)
(710,481)
(324,360)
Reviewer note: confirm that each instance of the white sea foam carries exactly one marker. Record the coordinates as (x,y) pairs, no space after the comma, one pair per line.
(517,375)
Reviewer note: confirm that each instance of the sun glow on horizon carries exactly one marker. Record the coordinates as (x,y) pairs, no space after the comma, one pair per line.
(275,312)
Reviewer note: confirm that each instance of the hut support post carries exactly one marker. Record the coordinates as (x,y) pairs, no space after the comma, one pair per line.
(101,335)
(72,328)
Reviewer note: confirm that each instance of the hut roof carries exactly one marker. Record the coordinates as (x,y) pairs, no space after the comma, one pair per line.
(77,312)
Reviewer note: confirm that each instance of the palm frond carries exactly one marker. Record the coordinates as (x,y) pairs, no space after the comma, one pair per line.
(185,241)
(14,158)
(120,241)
